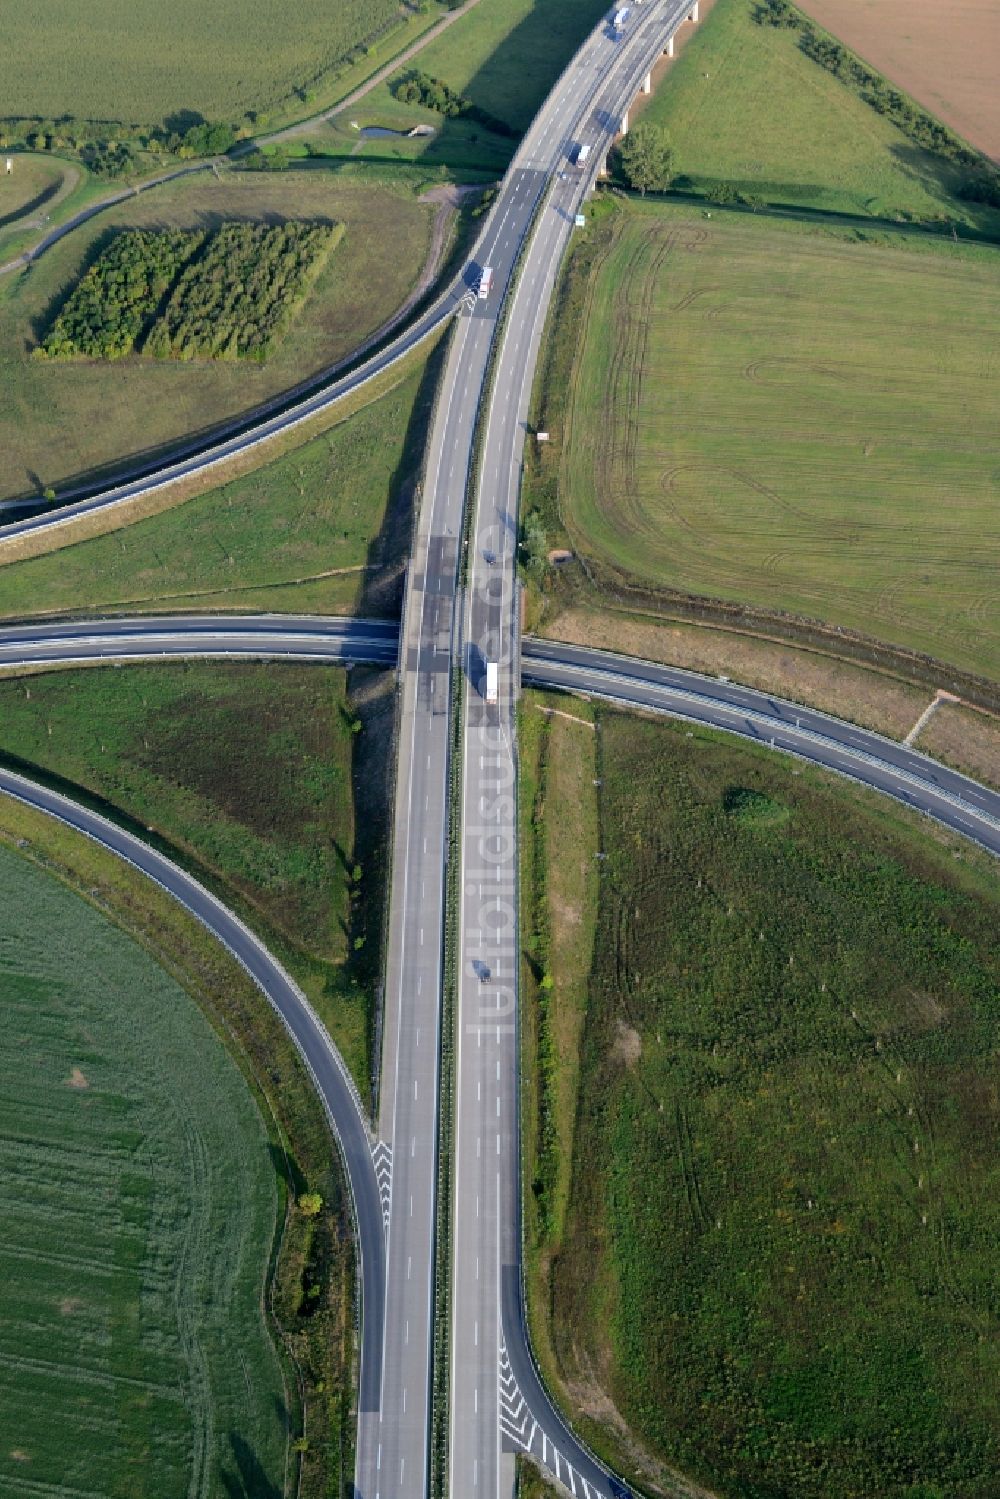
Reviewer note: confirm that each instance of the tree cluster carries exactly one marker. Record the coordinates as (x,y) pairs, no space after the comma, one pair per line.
(434,93)
(647,158)
(108,309)
(190,295)
(775,13)
(241,291)
(431,93)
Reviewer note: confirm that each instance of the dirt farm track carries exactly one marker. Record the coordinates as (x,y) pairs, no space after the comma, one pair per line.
(944,55)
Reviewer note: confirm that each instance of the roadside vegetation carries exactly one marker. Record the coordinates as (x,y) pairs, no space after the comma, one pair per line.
(773,1271)
(867,514)
(827,148)
(324,529)
(140,1204)
(269,780)
(531,1484)
(243,1198)
(63,419)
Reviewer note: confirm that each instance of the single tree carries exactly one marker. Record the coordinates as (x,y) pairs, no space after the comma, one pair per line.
(647,158)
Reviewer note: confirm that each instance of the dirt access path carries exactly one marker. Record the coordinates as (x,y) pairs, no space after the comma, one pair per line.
(946,56)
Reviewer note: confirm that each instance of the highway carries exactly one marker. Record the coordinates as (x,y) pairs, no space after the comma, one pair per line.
(521,1414)
(460,612)
(532,219)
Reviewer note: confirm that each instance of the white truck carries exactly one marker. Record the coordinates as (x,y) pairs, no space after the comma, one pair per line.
(491,682)
(618,20)
(485,282)
(581,154)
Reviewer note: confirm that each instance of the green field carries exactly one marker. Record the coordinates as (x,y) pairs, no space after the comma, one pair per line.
(64,419)
(324,529)
(802,422)
(248,772)
(823,147)
(139,1204)
(780,1254)
(504,56)
(147,65)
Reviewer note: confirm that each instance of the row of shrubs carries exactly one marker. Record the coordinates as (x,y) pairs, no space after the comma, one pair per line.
(981,183)
(189,294)
(111,150)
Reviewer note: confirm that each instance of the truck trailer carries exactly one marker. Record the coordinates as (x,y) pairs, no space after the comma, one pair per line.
(485,282)
(491,682)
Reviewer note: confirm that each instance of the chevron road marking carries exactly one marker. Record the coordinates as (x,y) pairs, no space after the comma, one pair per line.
(382,1157)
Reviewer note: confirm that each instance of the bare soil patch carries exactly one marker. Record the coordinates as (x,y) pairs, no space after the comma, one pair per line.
(77,1079)
(945,56)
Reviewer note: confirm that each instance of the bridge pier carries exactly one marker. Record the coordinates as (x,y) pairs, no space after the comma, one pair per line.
(668,50)
(693,16)
(623,129)
(647,84)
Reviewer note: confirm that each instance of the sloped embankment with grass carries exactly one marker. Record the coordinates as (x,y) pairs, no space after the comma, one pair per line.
(774,1270)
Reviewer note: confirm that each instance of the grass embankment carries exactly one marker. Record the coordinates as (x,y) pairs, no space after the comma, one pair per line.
(195,1196)
(324,529)
(775,1272)
(61,421)
(139,1206)
(823,148)
(504,57)
(256,777)
(802,424)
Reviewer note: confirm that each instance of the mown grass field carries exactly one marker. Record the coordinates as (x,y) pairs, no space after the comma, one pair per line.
(148,64)
(324,529)
(248,772)
(792,419)
(504,56)
(744,105)
(780,1253)
(59,421)
(139,1205)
